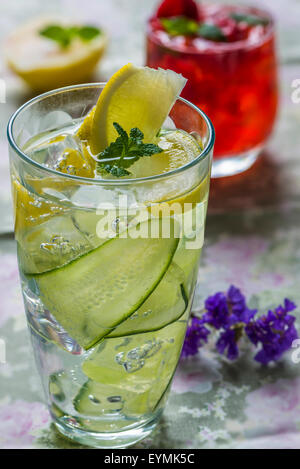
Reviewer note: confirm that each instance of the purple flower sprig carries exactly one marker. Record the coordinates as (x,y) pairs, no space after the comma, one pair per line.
(196,336)
(229,314)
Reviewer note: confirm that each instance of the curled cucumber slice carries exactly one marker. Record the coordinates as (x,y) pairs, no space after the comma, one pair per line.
(165,305)
(91,295)
(130,376)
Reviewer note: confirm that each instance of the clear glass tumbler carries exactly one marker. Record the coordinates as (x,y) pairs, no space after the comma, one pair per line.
(108,270)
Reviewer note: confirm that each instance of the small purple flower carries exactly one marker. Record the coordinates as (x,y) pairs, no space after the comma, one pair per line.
(287,308)
(237,304)
(196,336)
(229,314)
(275,332)
(217,311)
(227,343)
(224,310)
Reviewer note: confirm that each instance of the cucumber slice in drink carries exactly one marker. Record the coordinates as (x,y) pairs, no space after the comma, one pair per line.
(52,244)
(135,372)
(94,293)
(55,389)
(89,224)
(165,305)
(55,411)
(188,261)
(188,253)
(103,409)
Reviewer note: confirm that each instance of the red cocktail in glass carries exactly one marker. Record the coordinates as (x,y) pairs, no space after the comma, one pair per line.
(228,55)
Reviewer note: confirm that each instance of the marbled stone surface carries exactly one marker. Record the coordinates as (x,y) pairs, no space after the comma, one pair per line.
(252,241)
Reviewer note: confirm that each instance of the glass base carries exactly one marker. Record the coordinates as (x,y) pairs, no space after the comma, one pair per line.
(234,164)
(117,440)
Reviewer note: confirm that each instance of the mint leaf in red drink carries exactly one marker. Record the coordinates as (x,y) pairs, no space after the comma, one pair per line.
(252,20)
(180,26)
(211,32)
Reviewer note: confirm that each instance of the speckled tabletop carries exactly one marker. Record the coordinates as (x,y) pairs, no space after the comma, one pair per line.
(252,241)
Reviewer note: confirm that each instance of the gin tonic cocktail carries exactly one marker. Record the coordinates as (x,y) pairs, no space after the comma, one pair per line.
(109,248)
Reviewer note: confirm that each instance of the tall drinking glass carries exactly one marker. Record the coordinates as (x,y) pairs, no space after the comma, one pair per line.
(108,270)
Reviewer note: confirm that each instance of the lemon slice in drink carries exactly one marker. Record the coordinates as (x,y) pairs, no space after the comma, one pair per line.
(85,129)
(75,163)
(179,148)
(30,209)
(44,64)
(134,97)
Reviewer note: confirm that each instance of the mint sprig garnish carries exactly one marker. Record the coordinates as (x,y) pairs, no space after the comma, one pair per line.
(124,152)
(212,32)
(64,35)
(252,20)
(87,33)
(183,26)
(180,26)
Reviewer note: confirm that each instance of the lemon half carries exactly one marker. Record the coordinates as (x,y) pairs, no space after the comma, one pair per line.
(43,64)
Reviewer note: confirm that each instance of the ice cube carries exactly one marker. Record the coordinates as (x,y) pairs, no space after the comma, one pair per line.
(56,149)
(54,120)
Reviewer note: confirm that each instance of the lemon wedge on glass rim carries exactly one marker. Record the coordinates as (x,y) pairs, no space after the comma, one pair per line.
(134,97)
(44,64)
(143,97)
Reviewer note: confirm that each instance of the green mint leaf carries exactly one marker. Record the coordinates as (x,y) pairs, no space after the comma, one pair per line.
(57,33)
(252,20)
(115,170)
(123,134)
(125,151)
(211,32)
(136,134)
(113,151)
(64,35)
(149,149)
(87,33)
(180,26)
(72,31)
